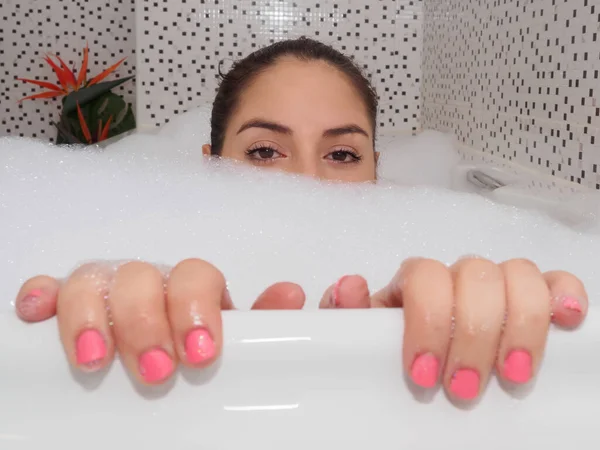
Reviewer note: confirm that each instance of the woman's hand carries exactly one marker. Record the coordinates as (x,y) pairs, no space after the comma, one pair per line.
(463,321)
(151,318)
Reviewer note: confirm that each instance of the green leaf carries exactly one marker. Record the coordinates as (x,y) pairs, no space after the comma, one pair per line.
(63,136)
(99,110)
(88,94)
(127,123)
(70,123)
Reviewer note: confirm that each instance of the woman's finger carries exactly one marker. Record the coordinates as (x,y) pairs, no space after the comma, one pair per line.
(141,328)
(569,300)
(425,286)
(36,300)
(349,292)
(478,315)
(82,318)
(527,321)
(391,295)
(283,295)
(196,293)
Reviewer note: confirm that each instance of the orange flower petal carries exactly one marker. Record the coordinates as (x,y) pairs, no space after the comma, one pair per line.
(104,134)
(49,94)
(84,127)
(59,73)
(107,72)
(82,72)
(70,77)
(43,84)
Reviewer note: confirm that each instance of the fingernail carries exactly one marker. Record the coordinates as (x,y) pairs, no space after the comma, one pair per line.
(334,300)
(29,304)
(465,384)
(425,370)
(572,304)
(227,297)
(155,365)
(199,346)
(518,367)
(90,349)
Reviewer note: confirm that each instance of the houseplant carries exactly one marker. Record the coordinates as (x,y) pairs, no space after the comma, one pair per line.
(90,112)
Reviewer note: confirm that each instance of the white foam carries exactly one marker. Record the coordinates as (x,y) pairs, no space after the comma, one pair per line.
(425,159)
(153,197)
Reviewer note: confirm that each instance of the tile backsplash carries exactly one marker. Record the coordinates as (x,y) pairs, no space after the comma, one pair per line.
(517,80)
(181,45)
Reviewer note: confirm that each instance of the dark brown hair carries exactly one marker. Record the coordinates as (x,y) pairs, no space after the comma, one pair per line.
(245,70)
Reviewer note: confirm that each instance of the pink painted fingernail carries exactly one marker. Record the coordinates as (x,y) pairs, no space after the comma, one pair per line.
(29,304)
(199,346)
(155,366)
(334,300)
(517,367)
(90,349)
(425,370)
(465,384)
(572,304)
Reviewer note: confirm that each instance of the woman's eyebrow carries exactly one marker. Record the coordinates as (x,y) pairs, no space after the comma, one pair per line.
(345,129)
(279,128)
(260,123)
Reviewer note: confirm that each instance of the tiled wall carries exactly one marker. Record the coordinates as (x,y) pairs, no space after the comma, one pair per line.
(514,79)
(181,44)
(518,80)
(31,28)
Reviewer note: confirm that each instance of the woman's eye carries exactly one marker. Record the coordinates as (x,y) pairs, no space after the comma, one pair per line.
(344,156)
(263,154)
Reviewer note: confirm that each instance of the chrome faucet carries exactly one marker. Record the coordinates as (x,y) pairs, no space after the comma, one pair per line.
(482,180)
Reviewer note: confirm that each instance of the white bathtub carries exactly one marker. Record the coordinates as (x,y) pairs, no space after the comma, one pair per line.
(573,204)
(292,380)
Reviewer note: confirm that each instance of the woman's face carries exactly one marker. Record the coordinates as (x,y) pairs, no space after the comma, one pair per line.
(306,118)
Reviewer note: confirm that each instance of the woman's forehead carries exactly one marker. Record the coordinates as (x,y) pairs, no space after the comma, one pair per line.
(294,90)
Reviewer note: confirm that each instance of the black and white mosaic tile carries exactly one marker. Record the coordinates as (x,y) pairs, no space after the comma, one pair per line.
(517,80)
(31,28)
(181,44)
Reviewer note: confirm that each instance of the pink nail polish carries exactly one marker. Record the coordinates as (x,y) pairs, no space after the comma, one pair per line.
(425,370)
(199,346)
(572,304)
(518,367)
(335,293)
(465,384)
(90,349)
(155,366)
(29,304)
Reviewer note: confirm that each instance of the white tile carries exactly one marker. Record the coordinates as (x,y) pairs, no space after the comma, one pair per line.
(455,29)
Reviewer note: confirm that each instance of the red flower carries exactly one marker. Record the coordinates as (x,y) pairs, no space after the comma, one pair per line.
(66,78)
(102,131)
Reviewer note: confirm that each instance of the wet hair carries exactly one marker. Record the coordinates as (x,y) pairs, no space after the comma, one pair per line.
(244,71)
